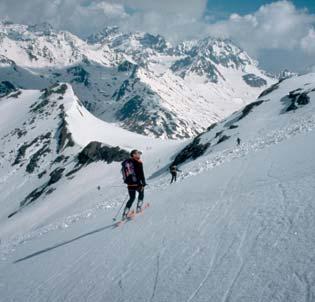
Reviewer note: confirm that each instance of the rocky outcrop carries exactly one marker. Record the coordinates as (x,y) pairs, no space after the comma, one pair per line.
(269,90)
(33,163)
(65,139)
(254,80)
(192,151)
(45,139)
(295,100)
(120,93)
(54,89)
(55,176)
(126,66)
(223,138)
(64,136)
(80,75)
(246,110)
(96,151)
(6,88)
(130,108)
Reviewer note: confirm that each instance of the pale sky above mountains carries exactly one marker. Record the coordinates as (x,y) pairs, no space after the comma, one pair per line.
(280,34)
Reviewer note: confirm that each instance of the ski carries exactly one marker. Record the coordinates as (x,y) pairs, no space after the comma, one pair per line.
(131,215)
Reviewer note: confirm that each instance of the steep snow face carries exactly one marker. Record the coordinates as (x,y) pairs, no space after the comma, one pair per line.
(237,226)
(137,80)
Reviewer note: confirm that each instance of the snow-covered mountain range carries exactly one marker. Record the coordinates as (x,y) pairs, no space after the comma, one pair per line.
(238,225)
(137,80)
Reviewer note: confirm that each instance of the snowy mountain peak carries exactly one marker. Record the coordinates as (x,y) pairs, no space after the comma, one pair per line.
(116,39)
(26,32)
(41,29)
(205,58)
(104,35)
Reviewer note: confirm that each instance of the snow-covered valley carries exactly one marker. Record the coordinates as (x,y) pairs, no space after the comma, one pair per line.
(237,226)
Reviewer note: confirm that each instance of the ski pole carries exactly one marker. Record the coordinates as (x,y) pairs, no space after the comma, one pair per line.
(115,217)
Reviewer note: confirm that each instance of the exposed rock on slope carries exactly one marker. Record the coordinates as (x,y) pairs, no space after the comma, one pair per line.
(96,151)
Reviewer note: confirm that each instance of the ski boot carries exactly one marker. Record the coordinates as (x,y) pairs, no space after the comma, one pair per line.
(125,214)
(139,206)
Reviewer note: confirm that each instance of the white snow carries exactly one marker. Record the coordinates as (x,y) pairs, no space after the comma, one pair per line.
(237,226)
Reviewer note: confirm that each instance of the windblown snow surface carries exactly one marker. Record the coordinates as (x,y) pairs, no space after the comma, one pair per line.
(238,225)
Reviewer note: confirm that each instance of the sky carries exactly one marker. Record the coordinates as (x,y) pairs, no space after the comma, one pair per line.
(224,8)
(279,34)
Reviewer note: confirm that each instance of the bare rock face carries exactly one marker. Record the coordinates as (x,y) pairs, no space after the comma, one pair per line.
(191,151)
(6,88)
(295,100)
(254,80)
(96,151)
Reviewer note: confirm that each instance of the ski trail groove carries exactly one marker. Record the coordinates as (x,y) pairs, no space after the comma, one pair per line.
(226,188)
(55,276)
(228,293)
(212,261)
(156,277)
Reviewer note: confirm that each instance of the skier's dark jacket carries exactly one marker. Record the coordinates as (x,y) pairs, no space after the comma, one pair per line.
(174,170)
(140,179)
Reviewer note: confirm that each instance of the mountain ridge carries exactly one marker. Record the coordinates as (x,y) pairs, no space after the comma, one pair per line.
(179,91)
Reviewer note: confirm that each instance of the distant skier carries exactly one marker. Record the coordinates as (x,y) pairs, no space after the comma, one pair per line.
(173,171)
(132,170)
(238,141)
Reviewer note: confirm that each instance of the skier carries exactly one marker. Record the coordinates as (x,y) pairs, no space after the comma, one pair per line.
(133,174)
(174,170)
(238,141)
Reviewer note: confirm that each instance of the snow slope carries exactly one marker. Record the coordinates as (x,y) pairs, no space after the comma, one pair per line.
(238,226)
(42,134)
(283,110)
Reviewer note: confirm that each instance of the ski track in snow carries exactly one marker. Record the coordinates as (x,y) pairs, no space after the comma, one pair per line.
(227,188)
(156,279)
(57,276)
(228,293)
(208,162)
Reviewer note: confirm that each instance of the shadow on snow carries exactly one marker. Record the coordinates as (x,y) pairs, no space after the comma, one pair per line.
(64,243)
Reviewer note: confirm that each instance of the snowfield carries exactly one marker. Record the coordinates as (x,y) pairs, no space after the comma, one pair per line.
(237,226)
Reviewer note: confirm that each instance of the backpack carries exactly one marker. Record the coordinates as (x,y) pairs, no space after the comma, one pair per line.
(128,172)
